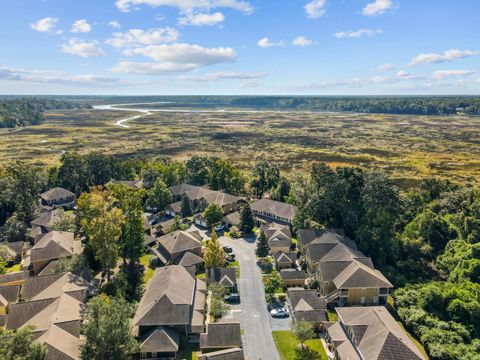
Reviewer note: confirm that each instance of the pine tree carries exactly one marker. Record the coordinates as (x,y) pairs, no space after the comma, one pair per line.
(247,224)
(214,254)
(262,246)
(186,208)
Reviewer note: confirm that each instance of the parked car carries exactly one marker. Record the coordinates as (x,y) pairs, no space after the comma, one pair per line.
(230,257)
(232,298)
(227,249)
(279,313)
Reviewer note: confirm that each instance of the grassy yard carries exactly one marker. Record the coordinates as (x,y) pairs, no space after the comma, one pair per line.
(148,272)
(332,315)
(201,275)
(13,268)
(235,264)
(287,343)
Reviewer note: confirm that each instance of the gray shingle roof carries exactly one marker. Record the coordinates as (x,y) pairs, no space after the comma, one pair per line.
(228,354)
(221,335)
(292,274)
(277,208)
(53,286)
(285,258)
(56,194)
(380,337)
(307,305)
(358,275)
(189,259)
(161,339)
(179,241)
(55,245)
(222,275)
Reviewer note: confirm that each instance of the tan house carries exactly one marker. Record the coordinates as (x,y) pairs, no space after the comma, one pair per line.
(293,277)
(200,197)
(285,260)
(172,306)
(279,237)
(345,275)
(56,198)
(307,305)
(173,246)
(55,307)
(51,247)
(267,210)
(370,333)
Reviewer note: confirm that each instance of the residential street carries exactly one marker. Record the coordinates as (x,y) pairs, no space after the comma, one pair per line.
(255,319)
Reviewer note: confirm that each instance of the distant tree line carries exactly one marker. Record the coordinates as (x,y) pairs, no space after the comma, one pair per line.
(29,111)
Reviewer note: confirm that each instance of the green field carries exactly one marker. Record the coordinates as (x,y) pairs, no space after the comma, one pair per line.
(287,343)
(406,147)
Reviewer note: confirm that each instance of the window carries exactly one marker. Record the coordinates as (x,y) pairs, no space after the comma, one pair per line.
(363,290)
(362,300)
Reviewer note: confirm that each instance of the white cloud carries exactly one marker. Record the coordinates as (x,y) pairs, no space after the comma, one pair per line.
(358,33)
(266,43)
(377,7)
(315,8)
(81,26)
(185,5)
(302,41)
(403,75)
(114,24)
(201,19)
(44,25)
(214,76)
(386,67)
(442,74)
(82,48)
(449,55)
(136,37)
(174,58)
(55,77)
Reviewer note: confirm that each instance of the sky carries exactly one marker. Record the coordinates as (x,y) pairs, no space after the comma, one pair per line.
(272,47)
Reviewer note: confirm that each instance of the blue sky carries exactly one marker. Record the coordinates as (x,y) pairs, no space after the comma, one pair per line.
(324,47)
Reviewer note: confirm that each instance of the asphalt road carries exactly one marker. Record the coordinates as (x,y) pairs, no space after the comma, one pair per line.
(254,317)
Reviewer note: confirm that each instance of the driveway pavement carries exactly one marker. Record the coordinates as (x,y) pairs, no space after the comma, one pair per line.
(254,317)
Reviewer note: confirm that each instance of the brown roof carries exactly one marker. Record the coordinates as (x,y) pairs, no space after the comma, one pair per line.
(189,259)
(307,305)
(358,275)
(160,339)
(210,196)
(277,208)
(377,334)
(222,275)
(277,234)
(233,218)
(16,246)
(53,286)
(10,293)
(47,219)
(168,298)
(306,236)
(228,354)
(179,241)
(56,194)
(55,245)
(17,276)
(132,183)
(292,274)
(221,335)
(285,258)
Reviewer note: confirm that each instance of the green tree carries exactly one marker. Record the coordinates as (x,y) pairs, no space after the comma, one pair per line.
(186,207)
(26,183)
(107,330)
(159,196)
(265,176)
(306,354)
(197,170)
(272,284)
(282,190)
(247,224)
(6,253)
(13,230)
(64,221)
(303,330)
(263,248)
(74,174)
(218,307)
(213,214)
(214,254)
(20,345)
(177,225)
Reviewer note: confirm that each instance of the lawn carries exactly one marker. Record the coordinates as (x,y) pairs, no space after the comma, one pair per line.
(332,315)
(287,343)
(148,272)
(13,268)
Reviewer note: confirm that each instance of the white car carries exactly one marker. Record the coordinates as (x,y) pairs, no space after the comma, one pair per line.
(279,312)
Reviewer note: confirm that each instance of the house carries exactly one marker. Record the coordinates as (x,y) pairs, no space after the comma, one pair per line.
(306,236)
(267,210)
(370,333)
(228,354)
(174,209)
(173,246)
(232,219)
(199,220)
(221,335)
(279,237)
(285,260)
(54,306)
(192,262)
(57,198)
(44,223)
(223,276)
(130,183)
(293,277)
(51,247)
(345,274)
(307,305)
(171,306)
(163,227)
(200,197)
(10,286)
(19,248)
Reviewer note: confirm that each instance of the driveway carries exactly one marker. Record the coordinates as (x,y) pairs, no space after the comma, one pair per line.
(254,317)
